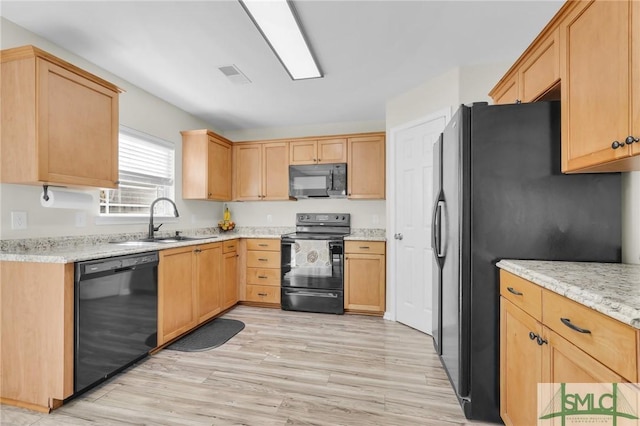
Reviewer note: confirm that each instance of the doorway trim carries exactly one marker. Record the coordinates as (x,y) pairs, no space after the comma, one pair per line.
(391,296)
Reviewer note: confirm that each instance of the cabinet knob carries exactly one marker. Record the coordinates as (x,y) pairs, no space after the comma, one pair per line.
(630,139)
(541,341)
(532,335)
(616,144)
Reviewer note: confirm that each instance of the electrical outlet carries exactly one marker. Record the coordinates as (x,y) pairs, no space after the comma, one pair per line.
(81,219)
(18,220)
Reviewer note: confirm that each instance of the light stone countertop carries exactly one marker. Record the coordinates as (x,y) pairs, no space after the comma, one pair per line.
(610,288)
(77,249)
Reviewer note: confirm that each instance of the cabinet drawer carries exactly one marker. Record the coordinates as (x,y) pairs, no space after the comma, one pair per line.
(375,247)
(605,339)
(263,259)
(263,244)
(262,293)
(263,276)
(522,293)
(229,246)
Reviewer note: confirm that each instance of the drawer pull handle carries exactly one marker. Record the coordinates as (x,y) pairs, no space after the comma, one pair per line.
(264,277)
(514,291)
(263,294)
(365,247)
(263,245)
(262,259)
(567,322)
(231,247)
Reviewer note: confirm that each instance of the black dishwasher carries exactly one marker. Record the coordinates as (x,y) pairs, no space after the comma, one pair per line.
(116,315)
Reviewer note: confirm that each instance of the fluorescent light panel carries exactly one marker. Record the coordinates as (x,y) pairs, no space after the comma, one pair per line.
(278,24)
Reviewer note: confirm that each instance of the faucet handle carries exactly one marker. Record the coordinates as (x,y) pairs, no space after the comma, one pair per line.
(157,228)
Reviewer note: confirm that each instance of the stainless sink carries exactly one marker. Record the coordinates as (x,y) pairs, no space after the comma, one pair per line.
(132,243)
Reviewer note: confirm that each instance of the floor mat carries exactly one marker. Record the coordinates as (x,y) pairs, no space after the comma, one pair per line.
(209,336)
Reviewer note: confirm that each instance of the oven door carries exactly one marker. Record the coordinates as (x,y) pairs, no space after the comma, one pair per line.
(312,263)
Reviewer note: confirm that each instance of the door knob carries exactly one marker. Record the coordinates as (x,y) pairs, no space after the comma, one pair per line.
(398,236)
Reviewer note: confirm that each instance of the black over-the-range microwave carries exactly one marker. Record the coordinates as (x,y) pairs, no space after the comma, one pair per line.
(318,181)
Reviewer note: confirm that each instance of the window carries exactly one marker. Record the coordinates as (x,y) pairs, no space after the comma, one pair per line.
(146,173)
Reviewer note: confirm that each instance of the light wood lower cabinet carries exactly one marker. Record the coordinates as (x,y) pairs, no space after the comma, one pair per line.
(229,273)
(547,338)
(209,280)
(364,276)
(37,328)
(176,293)
(262,271)
(189,281)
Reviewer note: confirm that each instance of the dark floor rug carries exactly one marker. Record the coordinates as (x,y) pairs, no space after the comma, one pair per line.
(209,336)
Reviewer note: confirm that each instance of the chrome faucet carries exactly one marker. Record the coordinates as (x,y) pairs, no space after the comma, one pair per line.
(153,229)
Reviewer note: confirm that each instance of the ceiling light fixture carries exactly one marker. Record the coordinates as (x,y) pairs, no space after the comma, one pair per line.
(277,22)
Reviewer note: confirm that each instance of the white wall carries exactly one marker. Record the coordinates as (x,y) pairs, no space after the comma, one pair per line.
(138,110)
(630,220)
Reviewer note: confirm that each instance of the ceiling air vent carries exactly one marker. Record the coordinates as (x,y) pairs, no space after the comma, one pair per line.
(234,74)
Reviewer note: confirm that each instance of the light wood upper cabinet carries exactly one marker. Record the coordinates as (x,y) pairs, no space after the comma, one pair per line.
(366,167)
(592,48)
(323,151)
(535,75)
(59,122)
(262,171)
(596,87)
(206,166)
(364,276)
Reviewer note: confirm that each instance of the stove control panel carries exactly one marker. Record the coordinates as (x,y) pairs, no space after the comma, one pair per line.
(341,219)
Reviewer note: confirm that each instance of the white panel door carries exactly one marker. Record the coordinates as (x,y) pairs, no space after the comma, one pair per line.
(414,198)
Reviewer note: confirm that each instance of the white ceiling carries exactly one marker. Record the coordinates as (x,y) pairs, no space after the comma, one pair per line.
(369,51)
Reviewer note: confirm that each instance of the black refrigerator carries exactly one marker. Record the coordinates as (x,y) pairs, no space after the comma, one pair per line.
(499,193)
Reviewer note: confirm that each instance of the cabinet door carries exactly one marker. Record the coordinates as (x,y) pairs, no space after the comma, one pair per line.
(508,92)
(248,172)
(563,362)
(521,365)
(595,83)
(303,152)
(208,279)
(219,170)
(275,166)
(176,293)
(635,76)
(541,70)
(332,151)
(77,129)
(364,282)
(230,280)
(366,167)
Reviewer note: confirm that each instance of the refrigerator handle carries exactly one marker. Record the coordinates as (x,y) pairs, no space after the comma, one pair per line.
(436,234)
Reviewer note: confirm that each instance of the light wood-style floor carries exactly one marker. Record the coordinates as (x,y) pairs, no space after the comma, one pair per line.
(284,368)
